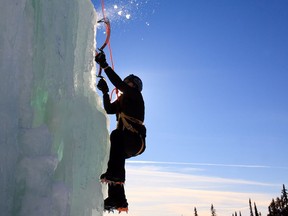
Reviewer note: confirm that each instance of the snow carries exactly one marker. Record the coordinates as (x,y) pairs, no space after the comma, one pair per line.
(53,130)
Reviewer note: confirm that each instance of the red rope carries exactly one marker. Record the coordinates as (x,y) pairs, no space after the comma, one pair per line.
(116,92)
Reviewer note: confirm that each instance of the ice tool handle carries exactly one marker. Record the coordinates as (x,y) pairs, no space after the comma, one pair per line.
(108,31)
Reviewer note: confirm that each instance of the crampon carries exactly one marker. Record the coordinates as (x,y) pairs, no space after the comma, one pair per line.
(122,210)
(104,178)
(110,206)
(112,209)
(110,182)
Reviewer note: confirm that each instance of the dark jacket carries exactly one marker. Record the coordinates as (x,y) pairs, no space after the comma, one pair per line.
(130,102)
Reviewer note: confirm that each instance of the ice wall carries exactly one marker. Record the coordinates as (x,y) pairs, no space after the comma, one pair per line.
(53,131)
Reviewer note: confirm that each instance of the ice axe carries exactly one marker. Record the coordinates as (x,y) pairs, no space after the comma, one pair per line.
(108,31)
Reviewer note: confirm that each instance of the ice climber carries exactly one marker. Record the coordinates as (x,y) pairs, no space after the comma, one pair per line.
(128,139)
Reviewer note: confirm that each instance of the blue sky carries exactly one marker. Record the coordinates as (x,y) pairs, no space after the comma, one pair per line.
(215,79)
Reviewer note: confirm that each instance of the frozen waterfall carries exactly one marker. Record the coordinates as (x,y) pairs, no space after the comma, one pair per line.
(53,130)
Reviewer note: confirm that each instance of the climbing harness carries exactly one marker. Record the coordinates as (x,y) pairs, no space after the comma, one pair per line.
(126,125)
(141,149)
(129,127)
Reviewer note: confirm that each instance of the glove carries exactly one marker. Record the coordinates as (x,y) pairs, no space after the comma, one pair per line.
(100,58)
(102,86)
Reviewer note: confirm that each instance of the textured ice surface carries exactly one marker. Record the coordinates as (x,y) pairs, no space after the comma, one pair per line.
(53,131)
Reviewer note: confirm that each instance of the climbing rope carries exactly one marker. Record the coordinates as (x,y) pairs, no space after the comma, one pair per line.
(109,45)
(106,21)
(107,42)
(117,92)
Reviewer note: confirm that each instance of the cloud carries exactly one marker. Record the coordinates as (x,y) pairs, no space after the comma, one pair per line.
(159,174)
(204,164)
(153,188)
